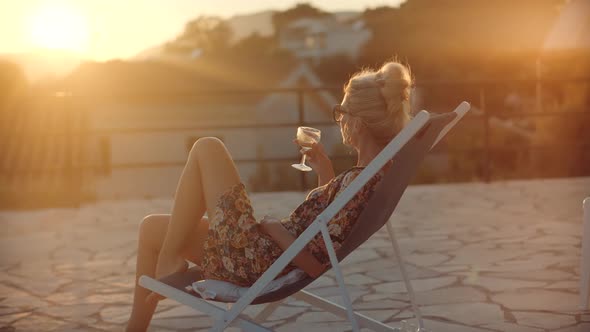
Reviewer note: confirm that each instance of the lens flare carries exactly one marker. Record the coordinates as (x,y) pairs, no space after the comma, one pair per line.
(59,28)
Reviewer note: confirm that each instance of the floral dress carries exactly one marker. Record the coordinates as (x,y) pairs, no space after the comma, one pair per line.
(237,251)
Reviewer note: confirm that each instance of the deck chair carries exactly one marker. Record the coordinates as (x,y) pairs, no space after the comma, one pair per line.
(407,150)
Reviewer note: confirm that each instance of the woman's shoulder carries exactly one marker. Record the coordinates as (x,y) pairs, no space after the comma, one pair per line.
(348,175)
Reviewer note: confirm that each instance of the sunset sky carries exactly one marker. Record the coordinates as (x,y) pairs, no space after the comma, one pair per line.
(106,29)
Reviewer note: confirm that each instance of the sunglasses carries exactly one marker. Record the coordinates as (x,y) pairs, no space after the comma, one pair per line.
(337,112)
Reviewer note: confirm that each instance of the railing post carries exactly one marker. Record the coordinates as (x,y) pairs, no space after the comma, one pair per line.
(487,158)
(538,88)
(301,122)
(68,165)
(70,171)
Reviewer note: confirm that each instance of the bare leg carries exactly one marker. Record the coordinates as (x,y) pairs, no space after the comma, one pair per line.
(151,236)
(209,172)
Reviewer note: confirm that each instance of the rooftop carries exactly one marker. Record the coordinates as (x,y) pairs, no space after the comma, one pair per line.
(482,257)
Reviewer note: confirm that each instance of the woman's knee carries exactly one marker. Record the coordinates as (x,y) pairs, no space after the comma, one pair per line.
(153,225)
(207,146)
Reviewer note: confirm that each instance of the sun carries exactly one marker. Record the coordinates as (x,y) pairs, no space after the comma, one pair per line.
(59,28)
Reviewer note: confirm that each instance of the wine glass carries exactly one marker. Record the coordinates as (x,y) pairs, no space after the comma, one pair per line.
(306,136)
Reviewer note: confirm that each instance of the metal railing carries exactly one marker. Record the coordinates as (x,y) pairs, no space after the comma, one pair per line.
(17,161)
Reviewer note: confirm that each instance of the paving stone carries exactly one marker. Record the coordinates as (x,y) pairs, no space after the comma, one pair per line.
(544,300)
(286,312)
(582,327)
(71,255)
(502,284)
(403,315)
(110,298)
(115,314)
(375,297)
(443,326)
(121,281)
(8,310)
(178,311)
(476,255)
(569,285)
(380,304)
(448,269)
(79,313)
(466,313)
(322,281)
(318,326)
(360,255)
(318,317)
(36,322)
(380,315)
(553,239)
(37,245)
(437,246)
(450,295)
(387,273)
(15,298)
(331,292)
(36,285)
(179,323)
(358,279)
(504,326)
(543,320)
(537,275)
(418,285)
(426,259)
(6,320)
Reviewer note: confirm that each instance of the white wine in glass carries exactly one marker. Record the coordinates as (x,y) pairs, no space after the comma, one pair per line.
(306,136)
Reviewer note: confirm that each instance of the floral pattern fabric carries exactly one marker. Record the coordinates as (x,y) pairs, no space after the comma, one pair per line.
(341,224)
(237,251)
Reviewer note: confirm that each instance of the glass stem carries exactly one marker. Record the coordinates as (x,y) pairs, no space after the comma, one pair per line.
(303,159)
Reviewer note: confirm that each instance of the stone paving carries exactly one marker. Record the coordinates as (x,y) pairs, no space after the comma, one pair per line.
(483,257)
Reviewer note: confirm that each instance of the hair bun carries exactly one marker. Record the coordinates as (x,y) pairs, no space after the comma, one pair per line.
(380,99)
(396,83)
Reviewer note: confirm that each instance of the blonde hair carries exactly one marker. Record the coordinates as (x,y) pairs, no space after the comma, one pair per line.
(380,99)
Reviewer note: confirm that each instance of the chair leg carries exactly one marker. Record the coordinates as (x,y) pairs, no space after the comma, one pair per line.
(402,268)
(340,311)
(339,278)
(585,257)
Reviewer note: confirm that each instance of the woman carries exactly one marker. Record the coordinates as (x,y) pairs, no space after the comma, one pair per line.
(233,246)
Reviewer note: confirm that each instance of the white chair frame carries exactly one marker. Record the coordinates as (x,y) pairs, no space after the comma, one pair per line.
(233,315)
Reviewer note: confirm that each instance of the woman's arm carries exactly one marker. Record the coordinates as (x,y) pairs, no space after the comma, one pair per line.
(326,173)
(304,260)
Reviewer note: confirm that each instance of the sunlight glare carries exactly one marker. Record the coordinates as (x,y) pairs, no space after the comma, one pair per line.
(59,28)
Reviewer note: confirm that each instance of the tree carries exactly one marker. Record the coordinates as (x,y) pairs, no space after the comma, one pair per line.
(255,46)
(380,21)
(207,35)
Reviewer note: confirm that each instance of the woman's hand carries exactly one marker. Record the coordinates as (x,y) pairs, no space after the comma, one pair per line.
(283,238)
(318,159)
(266,223)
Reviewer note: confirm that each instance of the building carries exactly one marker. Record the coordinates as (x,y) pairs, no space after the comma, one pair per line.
(315,38)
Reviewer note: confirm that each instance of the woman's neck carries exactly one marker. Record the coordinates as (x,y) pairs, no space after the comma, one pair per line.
(367,151)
